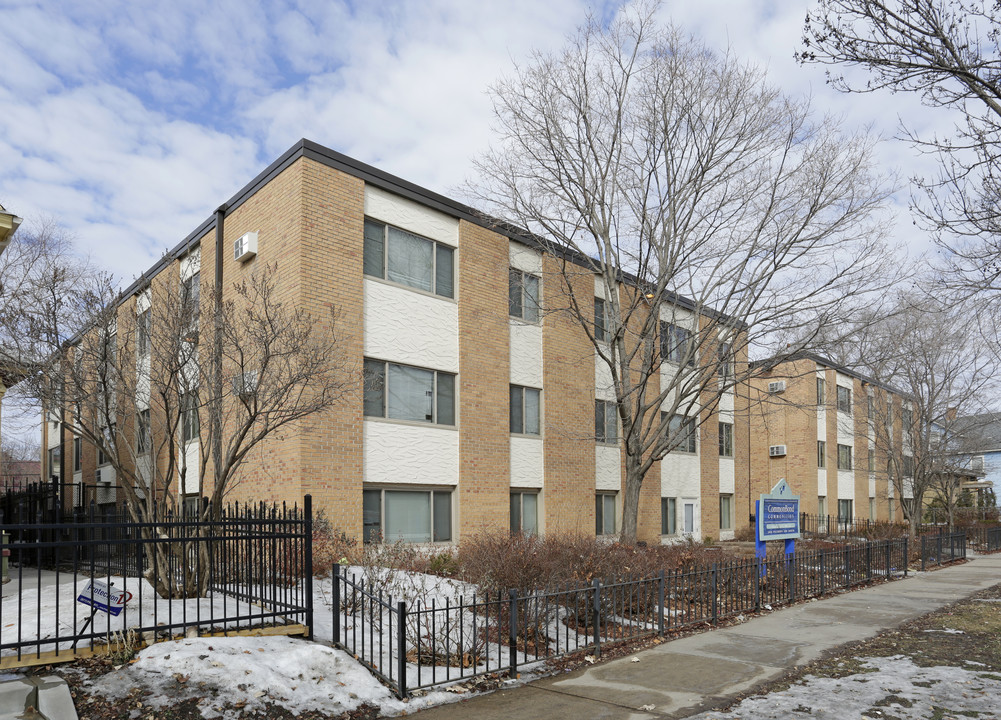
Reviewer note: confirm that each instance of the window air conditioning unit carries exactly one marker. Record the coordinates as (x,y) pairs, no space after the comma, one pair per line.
(245,247)
(776,451)
(776,387)
(245,383)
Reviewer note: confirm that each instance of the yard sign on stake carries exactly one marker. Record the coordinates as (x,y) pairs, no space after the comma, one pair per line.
(100,596)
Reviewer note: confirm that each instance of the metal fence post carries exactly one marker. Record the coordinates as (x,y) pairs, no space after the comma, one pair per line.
(848,569)
(923,553)
(757,583)
(308,562)
(907,554)
(513,634)
(597,618)
(401,649)
(335,592)
(822,556)
(660,604)
(868,560)
(889,559)
(715,592)
(938,548)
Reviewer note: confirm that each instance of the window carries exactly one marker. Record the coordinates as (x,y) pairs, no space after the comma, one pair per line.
(142,432)
(524,410)
(726,512)
(891,508)
(192,505)
(725,439)
(681,430)
(77,454)
(871,408)
(844,457)
(524,513)
(872,508)
(523,295)
(675,343)
(844,510)
(821,454)
(668,516)
(55,462)
(401,392)
(820,391)
(604,514)
(908,466)
(142,333)
(408,515)
(602,324)
(844,400)
(822,505)
(906,420)
(191,292)
(977,463)
(402,257)
(724,354)
(872,460)
(689,518)
(605,421)
(189,416)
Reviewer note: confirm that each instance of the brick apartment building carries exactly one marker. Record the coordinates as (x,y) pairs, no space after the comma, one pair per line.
(479,412)
(827,430)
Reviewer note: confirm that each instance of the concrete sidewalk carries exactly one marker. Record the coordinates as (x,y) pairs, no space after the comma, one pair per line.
(687,676)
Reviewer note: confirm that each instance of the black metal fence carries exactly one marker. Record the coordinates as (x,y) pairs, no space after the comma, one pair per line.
(942,548)
(840,526)
(984,539)
(249,567)
(428,639)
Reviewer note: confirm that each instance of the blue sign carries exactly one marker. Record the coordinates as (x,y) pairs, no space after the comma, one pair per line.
(778,514)
(101,596)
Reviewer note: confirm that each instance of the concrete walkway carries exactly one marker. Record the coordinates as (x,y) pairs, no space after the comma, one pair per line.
(687,676)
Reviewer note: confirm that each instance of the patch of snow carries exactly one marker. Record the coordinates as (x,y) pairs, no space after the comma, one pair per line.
(946,631)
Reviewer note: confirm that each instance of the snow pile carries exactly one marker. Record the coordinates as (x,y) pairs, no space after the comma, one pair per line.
(897,688)
(249,672)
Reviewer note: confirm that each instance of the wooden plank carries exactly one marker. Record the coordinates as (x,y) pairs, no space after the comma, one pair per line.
(8,662)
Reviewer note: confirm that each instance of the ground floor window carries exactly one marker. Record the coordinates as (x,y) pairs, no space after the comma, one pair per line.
(604,513)
(892,510)
(668,516)
(821,505)
(689,518)
(525,513)
(726,512)
(844,510)
(872,508)
(407,515)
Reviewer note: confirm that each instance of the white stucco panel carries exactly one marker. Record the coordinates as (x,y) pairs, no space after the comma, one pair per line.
(822,482)
(680,475)
(191,460)
(604,389)
(726,475)
(524,258)
(526,354)
(405,454)
(725,406)
(846,485)
(411,216)
(191,263)
(527,467)
(410,328)
(607,468)
(821,423)
(872,486)
(846,429)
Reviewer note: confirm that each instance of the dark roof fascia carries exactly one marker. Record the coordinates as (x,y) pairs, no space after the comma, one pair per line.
(772,362)
(398,186)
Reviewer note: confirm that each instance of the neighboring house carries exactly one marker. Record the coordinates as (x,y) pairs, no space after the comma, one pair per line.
(11,372)
(826,429)
(480,413)
(15,474)
(982,438)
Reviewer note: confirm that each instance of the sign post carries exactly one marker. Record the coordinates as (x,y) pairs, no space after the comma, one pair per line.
(776,517)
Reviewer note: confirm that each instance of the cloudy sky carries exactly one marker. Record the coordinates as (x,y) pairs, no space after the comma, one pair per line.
(131,121)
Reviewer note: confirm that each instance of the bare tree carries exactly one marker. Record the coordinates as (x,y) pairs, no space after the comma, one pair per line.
(710,211)
(929,350)
(947,51)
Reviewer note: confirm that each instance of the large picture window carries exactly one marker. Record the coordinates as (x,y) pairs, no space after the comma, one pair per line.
(402,392)
(523,295)
(409,515)
(525,410)
(402,257)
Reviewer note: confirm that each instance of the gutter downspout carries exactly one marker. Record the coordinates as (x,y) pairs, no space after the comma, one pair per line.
(216,420)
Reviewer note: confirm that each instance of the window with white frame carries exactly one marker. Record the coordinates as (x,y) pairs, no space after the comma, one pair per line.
(55,462)
(872,508)
(410,515)
(821,505)
(191,292)
(675,344)
(402,257)
(977,463)
(689,519)
(143,328)
(523,295)
(726,439)
(602,324)
(681,429)
(525,512)
(402,392)
(668,516)
(821,454)
(525,410)
(820,391)
(844,457)
(908,465)
(605,421)
(726,511)
(724,356)
(844,400)
(189,416)
(844,510)
(872,460)
(142,432)
(604,513)
(77,454)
